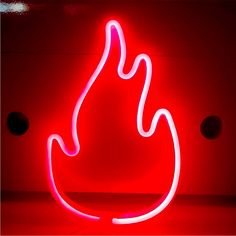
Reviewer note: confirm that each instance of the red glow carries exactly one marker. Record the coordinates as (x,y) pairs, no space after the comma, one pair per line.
(61,198)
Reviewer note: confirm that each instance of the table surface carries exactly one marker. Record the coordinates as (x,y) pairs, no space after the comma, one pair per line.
(38,213)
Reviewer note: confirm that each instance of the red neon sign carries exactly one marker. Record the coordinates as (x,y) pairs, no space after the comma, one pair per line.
(145,133)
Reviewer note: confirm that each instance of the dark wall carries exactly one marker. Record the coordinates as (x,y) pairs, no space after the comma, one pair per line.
(48,55)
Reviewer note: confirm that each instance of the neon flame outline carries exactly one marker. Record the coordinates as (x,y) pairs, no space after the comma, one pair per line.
(160,112)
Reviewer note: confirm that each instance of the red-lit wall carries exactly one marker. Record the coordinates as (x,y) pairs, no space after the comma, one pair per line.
(48,55)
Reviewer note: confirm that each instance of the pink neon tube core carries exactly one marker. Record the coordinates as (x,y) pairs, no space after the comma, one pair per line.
(160,112)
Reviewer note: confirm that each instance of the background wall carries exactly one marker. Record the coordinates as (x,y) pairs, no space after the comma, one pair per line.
(48,55)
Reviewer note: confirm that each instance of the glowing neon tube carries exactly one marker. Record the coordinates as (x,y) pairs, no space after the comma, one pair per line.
(160,112)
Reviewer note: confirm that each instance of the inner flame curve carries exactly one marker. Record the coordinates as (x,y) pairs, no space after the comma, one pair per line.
(160,112)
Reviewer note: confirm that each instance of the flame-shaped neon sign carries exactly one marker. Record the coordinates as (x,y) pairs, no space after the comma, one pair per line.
(63,200)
